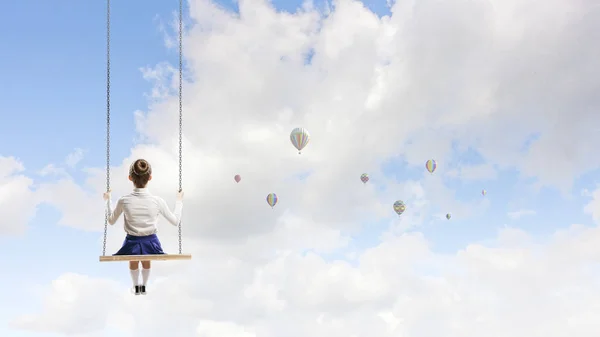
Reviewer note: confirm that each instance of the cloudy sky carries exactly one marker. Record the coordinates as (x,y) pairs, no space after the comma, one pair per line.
(502,93)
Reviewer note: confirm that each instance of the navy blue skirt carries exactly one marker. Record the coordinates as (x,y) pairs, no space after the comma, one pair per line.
(141,245)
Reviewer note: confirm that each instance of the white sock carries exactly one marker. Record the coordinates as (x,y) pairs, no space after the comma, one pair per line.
(135,276)
(145,275)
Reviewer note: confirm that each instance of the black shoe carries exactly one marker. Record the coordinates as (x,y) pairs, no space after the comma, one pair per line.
(143,290)
(137,290)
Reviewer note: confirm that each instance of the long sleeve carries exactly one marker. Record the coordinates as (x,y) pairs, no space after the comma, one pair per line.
(173,217)
(113,215)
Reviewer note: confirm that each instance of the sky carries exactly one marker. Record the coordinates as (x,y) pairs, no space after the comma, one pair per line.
(501,93)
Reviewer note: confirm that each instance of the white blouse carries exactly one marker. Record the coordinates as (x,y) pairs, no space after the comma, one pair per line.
(141,210)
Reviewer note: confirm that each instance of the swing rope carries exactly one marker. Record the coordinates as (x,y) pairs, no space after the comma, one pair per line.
(108,116)
(180,107)
(107,121)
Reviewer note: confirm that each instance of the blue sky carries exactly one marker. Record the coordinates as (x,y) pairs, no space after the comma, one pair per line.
(53,101)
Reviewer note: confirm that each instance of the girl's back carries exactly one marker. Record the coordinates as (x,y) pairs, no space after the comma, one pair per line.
(141,211)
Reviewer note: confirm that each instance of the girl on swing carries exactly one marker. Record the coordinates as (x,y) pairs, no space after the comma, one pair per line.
(141,210)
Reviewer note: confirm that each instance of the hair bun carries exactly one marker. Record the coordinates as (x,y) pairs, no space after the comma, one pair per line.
(141,167)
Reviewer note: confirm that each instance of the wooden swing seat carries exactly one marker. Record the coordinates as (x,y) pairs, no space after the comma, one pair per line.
(157,257)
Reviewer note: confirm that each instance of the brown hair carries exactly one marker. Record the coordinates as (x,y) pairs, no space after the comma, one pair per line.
(140,172)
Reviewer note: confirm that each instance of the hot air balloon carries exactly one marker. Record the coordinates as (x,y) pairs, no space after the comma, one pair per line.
(448,216)
(237,178)
(399,207)
(272,199)
(431,165)
(364,178)
(483,192)
(300,138)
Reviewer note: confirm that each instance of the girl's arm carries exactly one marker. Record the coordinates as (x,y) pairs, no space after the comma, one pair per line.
(113,215)
(172,217)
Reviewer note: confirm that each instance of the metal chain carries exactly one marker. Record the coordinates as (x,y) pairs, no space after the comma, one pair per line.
(107,120)
(180,105)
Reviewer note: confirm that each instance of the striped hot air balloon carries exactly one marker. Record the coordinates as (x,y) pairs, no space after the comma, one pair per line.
(299,138)
(431,165)
(399,207)
(364,178)
(272,199)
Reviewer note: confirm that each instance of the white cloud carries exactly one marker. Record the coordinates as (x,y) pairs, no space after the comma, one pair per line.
(64,302)
(515,215)
(538,288)
(593,207)
(432,77)
(474,172)
(71,161)
(217,329)
(10,165)
(52,170)
(74,158)
(66,194)
(18,201)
